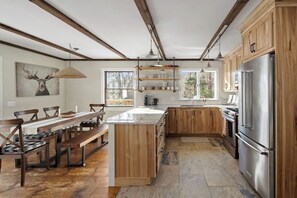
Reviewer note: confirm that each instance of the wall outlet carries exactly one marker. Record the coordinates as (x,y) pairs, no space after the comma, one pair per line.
(11,103)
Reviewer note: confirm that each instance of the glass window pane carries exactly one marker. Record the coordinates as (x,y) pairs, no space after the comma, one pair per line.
(119,88)
(189,85)
(122,97)
(207,85)
(119,79)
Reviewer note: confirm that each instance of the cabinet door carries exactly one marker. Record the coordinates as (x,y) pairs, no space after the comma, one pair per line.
(264,33)
(233,70)
(200,120)
(171,122)
(215,121)
(184,118)
(227,65)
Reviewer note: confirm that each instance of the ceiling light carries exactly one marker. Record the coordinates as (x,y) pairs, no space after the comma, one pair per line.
(219,57)
(151,53)
(202,70)
(208,64)
(69,72)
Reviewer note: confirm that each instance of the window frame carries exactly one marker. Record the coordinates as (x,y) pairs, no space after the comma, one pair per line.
(104,85)
(216,82)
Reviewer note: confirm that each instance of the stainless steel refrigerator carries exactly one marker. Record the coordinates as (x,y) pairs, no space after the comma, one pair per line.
(256,137)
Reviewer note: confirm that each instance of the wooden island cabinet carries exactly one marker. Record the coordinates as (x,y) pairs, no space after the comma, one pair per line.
(136,146)
(194,121)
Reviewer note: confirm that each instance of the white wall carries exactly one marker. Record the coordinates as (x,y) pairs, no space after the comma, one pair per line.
(82,92)
(10,56)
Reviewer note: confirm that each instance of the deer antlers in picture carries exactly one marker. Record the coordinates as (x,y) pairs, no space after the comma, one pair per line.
(42,89)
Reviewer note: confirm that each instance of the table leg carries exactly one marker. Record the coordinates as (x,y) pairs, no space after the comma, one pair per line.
(58,147)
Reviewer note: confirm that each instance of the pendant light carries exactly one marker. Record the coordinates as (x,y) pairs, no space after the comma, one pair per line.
(151,53)
(208,64)
(202,70)
(69,72)
(220,57)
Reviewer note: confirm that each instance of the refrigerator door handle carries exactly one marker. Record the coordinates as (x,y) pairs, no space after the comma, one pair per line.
(252,147)
(249,99)
(243,100)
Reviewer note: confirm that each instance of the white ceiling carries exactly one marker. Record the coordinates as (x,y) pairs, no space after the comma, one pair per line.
(184,27)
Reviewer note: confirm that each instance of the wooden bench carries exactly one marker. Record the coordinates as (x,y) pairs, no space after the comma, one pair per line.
(82,140)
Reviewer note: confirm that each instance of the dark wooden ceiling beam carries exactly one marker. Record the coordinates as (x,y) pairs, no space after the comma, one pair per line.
(235,10)
(148,20)
(142,59)
(29,36)
(30,50)
(55,12)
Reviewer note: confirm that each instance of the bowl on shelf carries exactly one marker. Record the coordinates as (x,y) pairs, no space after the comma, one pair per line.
(68,114)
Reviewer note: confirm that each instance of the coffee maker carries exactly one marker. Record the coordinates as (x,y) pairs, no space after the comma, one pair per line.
(149,100)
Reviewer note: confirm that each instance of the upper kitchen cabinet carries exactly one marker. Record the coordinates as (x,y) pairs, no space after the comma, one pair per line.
(273,26)
(231,66)
(257,38)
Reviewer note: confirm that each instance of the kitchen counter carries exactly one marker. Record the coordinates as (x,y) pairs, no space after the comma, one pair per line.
(140,115)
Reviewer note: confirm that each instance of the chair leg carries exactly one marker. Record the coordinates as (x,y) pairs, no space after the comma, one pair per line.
(83,153)
(0,164)
(23,169)
(68,156)
(47,164)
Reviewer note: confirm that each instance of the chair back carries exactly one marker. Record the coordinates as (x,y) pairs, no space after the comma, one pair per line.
(97,108)
(54,110)
(9,128)
(31,112)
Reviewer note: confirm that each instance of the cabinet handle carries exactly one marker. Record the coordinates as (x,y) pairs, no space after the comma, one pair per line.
(254,47)
(251,48)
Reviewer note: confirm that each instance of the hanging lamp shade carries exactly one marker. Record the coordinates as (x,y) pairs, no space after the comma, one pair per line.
(69,72)
(219,57)
(208,63)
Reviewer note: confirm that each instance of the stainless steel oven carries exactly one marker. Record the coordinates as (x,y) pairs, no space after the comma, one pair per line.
(230,117)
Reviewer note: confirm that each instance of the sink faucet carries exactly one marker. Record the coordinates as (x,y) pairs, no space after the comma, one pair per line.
(204,100)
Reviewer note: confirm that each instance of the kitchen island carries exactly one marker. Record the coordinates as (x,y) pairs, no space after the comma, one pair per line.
(136,144)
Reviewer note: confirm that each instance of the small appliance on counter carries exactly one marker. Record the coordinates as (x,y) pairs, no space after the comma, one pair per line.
(149,100)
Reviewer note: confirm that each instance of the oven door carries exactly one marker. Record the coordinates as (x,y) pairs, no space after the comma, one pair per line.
(230,128)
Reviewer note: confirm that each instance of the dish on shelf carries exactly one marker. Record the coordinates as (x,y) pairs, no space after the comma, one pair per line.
(68,114)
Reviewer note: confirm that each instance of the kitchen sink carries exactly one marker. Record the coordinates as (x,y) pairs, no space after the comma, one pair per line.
(192,105)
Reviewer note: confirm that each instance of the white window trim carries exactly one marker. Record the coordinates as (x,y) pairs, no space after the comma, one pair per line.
(103,70)
(217,82)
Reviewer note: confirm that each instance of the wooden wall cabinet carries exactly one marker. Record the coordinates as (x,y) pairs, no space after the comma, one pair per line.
(194,121)
(231,66)
(258,38)
(274,23)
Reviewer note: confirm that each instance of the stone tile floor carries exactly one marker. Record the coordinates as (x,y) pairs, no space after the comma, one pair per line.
(198,170)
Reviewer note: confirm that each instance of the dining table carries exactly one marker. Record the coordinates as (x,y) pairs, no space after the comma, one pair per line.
(58,124)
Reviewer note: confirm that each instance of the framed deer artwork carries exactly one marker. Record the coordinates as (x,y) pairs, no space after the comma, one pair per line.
(36,80)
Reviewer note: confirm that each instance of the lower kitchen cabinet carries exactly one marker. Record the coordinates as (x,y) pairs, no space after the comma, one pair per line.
(171,127)
(184,120)
(194,121)
(200,120)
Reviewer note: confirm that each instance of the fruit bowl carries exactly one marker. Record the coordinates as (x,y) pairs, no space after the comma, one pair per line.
(68,114)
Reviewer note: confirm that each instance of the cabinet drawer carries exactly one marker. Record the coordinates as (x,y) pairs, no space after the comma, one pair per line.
(160,155)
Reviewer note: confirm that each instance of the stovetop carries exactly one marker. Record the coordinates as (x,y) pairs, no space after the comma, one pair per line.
(234,109)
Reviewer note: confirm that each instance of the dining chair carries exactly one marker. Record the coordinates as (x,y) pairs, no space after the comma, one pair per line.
(20,149)
(54,110)
(40,136)
(33,114)
(93,123)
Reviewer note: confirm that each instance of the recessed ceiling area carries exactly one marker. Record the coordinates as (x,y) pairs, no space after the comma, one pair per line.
(184,28)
